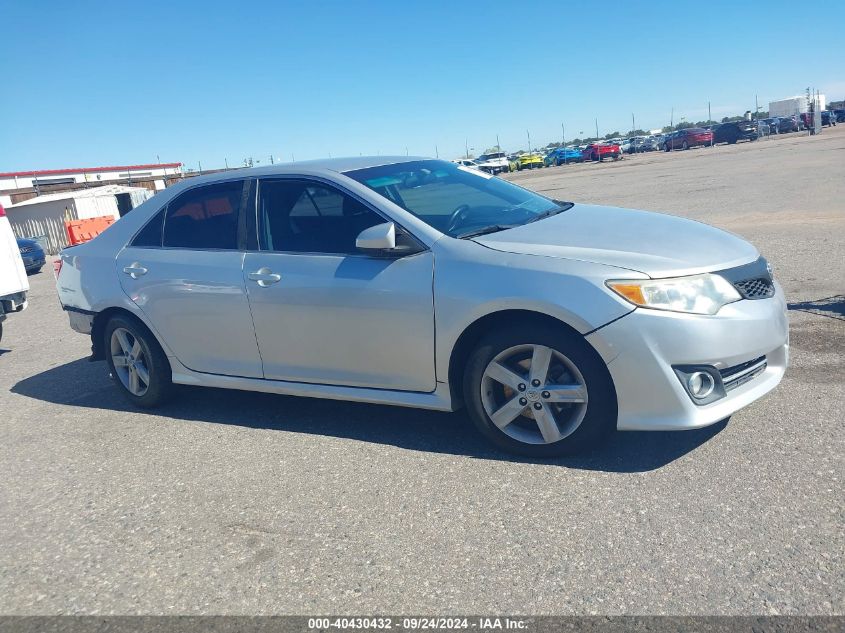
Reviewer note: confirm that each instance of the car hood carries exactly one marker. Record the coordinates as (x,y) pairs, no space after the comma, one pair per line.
(656,244)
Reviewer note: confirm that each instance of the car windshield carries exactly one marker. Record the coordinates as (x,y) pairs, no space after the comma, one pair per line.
(455,200)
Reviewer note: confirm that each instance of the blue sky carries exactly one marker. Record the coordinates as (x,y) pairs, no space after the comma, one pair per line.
(95,83)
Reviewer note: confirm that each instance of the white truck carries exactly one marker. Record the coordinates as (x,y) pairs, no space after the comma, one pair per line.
(13,282)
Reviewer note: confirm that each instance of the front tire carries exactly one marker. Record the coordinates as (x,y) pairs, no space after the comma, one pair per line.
(137,363)
(539,391)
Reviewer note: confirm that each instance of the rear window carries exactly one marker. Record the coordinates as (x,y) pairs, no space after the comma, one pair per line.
(204,218)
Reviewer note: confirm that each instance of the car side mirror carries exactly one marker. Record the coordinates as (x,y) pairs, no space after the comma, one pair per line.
(378,239)
(382,240)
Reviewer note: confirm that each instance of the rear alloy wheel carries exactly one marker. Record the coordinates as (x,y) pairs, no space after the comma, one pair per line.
(137,363)
(539,392)
(684,145)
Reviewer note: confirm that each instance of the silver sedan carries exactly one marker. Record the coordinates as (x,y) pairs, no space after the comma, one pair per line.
(421,283)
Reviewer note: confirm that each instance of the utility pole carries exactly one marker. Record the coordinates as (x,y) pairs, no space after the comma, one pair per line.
(498,147)
(756,109)
(226,162)
(633,122)
(466,148)
(436,152)
(597,129)
(199,162)
(528,132)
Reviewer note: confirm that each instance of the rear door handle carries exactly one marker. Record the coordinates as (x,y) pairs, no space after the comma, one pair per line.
(264,277)
(135,270)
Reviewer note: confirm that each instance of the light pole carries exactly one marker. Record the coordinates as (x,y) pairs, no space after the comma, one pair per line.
(597,129)
(529,140)
(563,141)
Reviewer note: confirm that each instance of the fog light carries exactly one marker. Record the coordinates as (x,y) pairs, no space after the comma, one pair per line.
(701,384)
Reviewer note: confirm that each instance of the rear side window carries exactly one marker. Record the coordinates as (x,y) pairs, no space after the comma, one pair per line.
(205,217)
(150,235)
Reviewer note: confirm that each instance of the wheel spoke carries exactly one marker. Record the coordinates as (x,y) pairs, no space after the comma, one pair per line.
(143,374)
(566,393)
(134,385)
(540,360)
(136,350)
(502,374)
(123,340)
(508,412)
(119,360)
(547,424)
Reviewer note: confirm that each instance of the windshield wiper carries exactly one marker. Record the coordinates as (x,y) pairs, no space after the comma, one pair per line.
(564,206)
(484,230)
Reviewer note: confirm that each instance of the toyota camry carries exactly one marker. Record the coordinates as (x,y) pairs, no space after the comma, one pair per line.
(421,283)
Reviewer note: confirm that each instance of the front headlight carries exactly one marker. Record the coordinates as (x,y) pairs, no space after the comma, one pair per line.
(696,294)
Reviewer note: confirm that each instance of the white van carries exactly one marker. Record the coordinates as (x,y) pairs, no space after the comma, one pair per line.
(13,282)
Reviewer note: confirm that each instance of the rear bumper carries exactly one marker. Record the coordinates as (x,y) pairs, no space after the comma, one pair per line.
(32,263)
(12,303)
(642,348)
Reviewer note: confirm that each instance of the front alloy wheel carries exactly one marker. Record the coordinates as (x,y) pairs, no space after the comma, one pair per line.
(534,394)
(539,391)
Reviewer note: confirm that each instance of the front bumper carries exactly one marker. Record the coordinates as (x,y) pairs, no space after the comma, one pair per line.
(641,349)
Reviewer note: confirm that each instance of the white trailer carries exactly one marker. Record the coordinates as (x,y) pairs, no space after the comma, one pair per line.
(793,106)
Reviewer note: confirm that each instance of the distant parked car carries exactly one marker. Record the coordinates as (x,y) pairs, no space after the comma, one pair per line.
(840,115)
(600,151)
(466,162)
(527,161)
(651,143)
(562,156)
(493,163)
(828,118)
(687,138)
(787,124)
(735,131)
(32,255)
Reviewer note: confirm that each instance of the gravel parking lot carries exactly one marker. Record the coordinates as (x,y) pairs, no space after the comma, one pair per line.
(226,502)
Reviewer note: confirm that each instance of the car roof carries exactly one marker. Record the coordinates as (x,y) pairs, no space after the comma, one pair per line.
(326,166)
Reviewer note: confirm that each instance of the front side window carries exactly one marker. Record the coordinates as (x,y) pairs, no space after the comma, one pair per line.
(453,199)
(205,217)
(300,216)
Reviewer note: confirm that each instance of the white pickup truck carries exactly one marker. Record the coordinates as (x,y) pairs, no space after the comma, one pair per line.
(13,282)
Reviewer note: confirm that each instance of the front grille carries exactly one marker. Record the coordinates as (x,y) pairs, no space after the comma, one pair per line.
(760,288)
(27,249)
(733,377)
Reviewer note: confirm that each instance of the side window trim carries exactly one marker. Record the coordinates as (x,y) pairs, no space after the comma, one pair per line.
(257,233)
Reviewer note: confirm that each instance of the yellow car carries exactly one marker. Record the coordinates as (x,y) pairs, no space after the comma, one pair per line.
(527,161)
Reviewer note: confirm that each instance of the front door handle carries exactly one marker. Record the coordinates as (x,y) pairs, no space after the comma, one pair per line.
(135,270)
(264,277)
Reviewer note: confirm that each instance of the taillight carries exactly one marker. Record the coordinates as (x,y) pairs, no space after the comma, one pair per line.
(57,267)
(2,211)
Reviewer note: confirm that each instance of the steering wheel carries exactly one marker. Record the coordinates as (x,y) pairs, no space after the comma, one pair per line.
(457,217)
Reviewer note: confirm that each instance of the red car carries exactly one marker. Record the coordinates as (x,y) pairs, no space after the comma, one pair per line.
(689,137)
(600,151)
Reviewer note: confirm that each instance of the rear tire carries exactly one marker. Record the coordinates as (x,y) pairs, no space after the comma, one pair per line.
(574,395)
(685,145)
(136,362)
